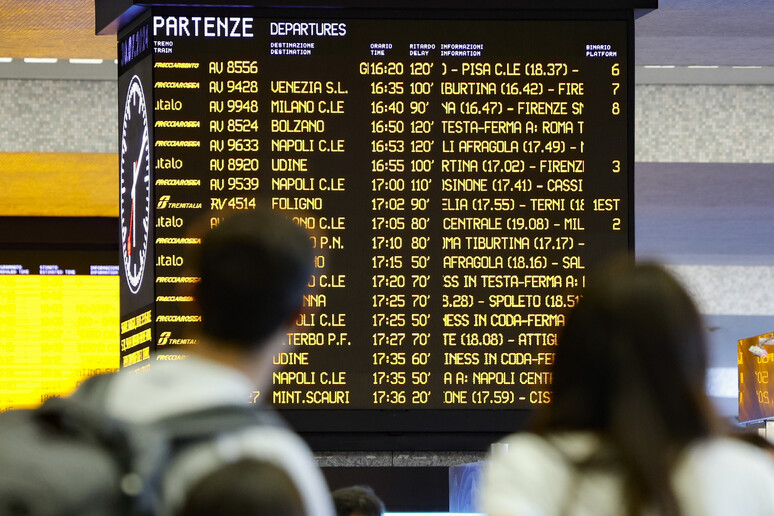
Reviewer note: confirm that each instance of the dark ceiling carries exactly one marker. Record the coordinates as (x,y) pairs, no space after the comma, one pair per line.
(680,32)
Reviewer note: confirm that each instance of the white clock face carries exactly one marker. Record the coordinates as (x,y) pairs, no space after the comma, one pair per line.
(135,185)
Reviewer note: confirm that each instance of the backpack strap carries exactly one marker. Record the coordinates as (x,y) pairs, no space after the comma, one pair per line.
(93,391)
(70,416)
(134,449)
(171,435)
(200,425)
(193,437)
(180,430)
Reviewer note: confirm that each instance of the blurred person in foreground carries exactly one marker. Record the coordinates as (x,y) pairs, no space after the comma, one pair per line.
(254,269)
(629,430)
(357,501)
(247,487)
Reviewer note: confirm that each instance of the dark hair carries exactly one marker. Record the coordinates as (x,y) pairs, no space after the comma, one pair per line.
(254,268)
(630,366)
(248,487)
(357,500)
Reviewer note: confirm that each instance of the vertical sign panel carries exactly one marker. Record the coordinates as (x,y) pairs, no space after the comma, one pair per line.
(136,229)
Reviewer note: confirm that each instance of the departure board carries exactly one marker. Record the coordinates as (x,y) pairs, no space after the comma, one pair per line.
(754,358)
(58,322)
(461,176)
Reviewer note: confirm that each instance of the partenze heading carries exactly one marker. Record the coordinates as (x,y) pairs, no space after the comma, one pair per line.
(203,26)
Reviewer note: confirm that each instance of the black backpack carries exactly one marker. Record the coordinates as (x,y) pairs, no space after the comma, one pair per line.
(68,458)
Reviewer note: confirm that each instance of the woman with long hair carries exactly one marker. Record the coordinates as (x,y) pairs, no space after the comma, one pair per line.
(629,430)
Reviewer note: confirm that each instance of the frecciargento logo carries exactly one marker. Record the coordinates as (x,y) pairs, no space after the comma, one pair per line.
(165,202)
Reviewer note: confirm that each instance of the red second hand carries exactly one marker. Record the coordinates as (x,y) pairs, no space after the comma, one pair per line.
(129,235)
(131,218)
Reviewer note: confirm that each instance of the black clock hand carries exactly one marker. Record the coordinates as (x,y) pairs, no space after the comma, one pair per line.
(142,151)
(135,174)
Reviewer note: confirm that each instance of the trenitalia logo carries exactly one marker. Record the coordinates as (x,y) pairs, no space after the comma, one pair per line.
(165,202)
(165,340)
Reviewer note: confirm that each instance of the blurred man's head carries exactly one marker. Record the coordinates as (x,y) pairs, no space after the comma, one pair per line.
(254,268)
(357,501)
(248,486)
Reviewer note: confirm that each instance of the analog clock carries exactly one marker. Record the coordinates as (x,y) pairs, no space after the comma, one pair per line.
(135,185)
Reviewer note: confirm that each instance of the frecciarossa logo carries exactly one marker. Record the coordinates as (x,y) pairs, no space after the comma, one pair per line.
(165,202)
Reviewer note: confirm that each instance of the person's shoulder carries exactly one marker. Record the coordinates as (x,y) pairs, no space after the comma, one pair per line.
(531,458)
(730,452)
(175,387)
(536,461)
(273,444)
(526,471)
(731,457)
(272,440)
(724,475)
(555,447)
(276,444)
(283,447)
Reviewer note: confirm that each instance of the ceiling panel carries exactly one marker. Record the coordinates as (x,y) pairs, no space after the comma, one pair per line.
(52,28)
(681,32)
(707,32)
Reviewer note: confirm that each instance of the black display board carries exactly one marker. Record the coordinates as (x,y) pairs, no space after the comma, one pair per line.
(461,173)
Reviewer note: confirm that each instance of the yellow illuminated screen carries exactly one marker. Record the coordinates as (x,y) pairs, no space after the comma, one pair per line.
(54,332)
(755,359)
